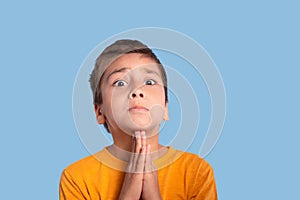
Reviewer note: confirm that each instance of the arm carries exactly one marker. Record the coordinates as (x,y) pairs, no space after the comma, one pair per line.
(68,189)
(205,185)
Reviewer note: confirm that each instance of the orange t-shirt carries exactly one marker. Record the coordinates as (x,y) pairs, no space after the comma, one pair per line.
(181,175)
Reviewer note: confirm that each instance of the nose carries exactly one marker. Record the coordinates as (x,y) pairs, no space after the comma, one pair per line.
(137,94)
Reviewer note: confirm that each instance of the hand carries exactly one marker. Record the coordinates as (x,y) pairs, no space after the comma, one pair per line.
(141,177)
(133,181)
(150,181)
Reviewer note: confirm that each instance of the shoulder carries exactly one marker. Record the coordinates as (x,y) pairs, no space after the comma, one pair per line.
(185,162)
(84,163)
(192,159)
(84,167)
(76,179)
(201,174)
(194,165)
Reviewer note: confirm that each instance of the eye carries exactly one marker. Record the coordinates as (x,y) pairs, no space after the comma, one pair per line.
(150,82)
(120,83)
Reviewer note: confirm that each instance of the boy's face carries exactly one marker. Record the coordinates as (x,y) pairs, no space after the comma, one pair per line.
(133,95)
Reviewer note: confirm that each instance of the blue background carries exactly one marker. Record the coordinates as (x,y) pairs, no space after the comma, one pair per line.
(255,45)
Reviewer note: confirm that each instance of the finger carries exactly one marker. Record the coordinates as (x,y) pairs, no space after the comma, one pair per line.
(133,142)
(143,151)
(135,153)
(138,142)
(148,159)
(133,156)
(143,139)
(138,159)
(133,147)
(140,164)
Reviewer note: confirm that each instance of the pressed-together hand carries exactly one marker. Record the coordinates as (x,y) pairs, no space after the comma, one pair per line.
(141,177)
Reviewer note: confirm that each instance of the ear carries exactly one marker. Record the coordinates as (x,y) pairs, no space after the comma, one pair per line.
(166,116)
(99,115)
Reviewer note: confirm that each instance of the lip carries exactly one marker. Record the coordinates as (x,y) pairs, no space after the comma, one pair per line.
(138,108)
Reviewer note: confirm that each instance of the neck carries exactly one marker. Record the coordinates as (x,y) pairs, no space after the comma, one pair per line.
(124,141)
(125,155)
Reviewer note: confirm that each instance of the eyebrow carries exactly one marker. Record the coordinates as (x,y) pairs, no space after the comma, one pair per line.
(123,69)
(149,71)
(117,71)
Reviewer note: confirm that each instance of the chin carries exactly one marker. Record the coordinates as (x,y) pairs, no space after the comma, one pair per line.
(141,122)
(150,130)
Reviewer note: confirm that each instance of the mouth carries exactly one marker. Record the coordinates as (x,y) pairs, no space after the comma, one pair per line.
(138,108)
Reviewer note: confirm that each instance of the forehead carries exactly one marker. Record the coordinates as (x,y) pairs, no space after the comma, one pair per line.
(132,61)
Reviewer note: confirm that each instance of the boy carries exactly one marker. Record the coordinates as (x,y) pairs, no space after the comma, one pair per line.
(129,87)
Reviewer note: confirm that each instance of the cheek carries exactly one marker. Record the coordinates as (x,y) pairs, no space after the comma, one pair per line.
(115,95)
(118,100)
(157,94)
(119,95)
(112,101)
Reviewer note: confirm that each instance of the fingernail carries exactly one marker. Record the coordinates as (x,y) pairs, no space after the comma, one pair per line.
(137,133)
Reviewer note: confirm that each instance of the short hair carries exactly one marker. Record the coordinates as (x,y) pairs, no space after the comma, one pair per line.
(110,54)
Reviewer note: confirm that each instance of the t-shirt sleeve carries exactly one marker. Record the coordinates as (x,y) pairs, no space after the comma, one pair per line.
(205,185)
(68,189)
